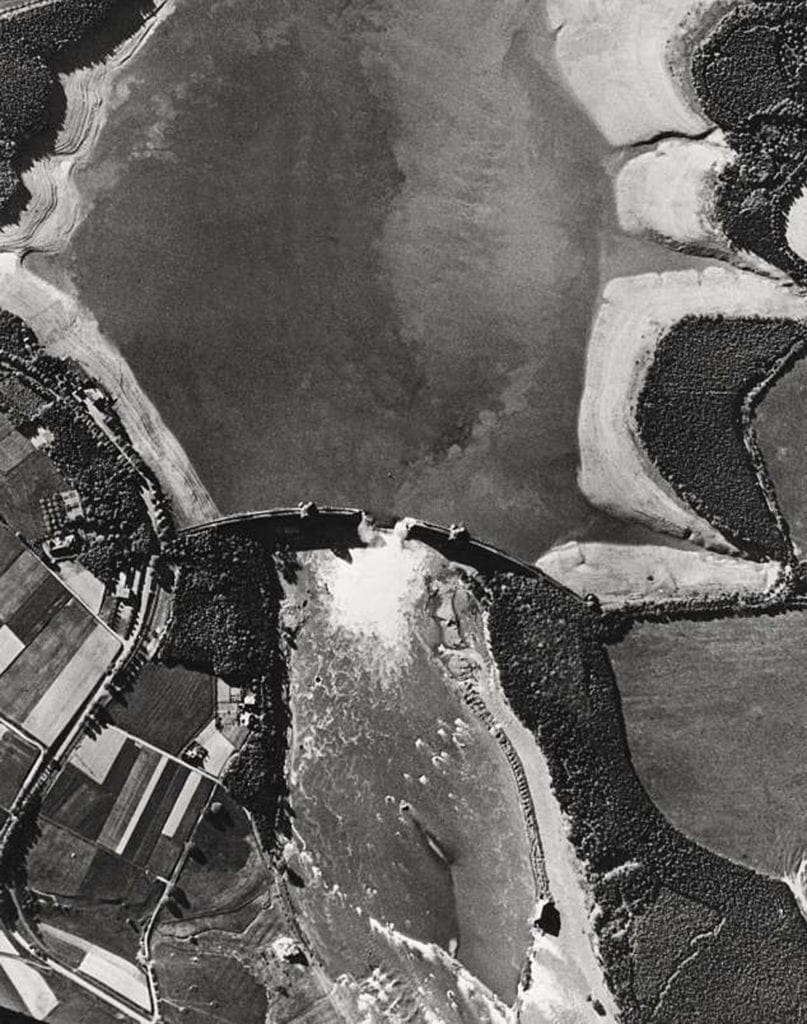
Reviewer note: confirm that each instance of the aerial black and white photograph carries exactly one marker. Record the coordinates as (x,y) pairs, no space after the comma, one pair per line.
(403,511)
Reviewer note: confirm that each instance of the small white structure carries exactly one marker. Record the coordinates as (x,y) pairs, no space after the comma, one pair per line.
(42,438)
(62,547)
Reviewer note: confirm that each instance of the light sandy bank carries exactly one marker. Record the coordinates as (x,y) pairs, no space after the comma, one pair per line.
(796,233)
(626,575)
(635,312)
(668,194)
(626,63)
(565,969)
(66,329)
(56,206)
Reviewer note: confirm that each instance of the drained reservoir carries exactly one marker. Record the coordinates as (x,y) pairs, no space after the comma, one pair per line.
(353,258)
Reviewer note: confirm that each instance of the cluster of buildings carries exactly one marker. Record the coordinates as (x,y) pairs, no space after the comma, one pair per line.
(63,516)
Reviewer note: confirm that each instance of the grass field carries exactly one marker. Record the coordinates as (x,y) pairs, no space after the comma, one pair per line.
(721,750)
(215,877)
(17,758)
(113,897)
(111,877)
(167,706)
(222,988)
(22,489)
(97,891)
(59,861)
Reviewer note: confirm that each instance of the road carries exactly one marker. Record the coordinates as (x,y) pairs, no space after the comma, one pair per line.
(141,642)
(48,767)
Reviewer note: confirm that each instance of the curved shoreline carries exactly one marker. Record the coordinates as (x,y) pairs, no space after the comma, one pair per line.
(629,484)
(616,60)
(615,472)
(56,206)
(65,329)
(628,577)
(564,871)
(54,210)
(563,965)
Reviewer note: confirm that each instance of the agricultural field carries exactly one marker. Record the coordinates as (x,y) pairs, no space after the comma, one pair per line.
(52,651)
(26,590)
(17,758)
(27,478)
(167,707)
(111,830)
(43,995)
(32,992)
(50,678)
(23,984)
(99,963)
(129,799)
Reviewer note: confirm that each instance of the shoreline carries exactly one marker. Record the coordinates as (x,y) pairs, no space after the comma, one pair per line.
(577,943)
(54,211)
(636,312)
(67,330)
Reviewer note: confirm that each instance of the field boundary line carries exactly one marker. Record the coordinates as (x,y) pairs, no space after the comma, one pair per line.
(164,753)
